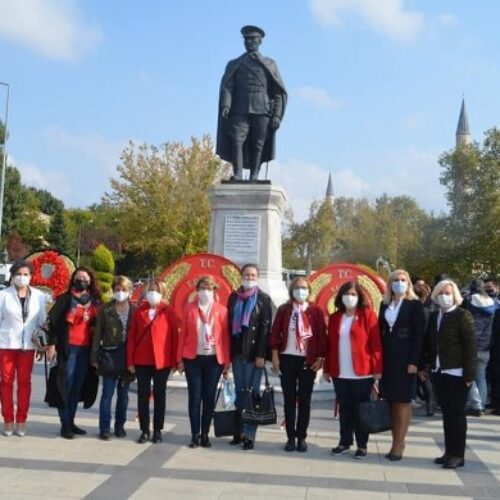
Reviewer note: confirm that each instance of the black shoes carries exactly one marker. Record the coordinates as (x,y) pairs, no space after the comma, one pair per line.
(77,431)
(248,444)
(441,460)
(67,433)
(474,412)
(290,445)
(143,438)
(301,445)
(237,439)
(157,437)
(205,442)
(453,463)
(195,441)
(120,432)
(340,450)
(360,454)
(104,436)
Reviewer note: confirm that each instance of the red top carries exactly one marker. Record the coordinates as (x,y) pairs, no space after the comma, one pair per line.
(365,344)
(80,331)
(188,340)
(316,345)
(153,342)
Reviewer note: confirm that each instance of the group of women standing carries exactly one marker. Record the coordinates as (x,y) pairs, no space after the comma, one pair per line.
(358,351)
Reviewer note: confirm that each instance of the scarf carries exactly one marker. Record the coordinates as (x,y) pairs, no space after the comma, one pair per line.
(302,325)
(207,325)
(84,301)
(243,309)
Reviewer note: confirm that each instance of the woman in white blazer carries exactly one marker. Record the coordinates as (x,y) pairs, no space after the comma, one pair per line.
(22,313)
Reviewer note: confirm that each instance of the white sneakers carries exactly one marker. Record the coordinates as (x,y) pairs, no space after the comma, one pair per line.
(8,430)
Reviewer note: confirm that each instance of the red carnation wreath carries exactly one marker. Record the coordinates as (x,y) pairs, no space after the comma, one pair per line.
(51,270)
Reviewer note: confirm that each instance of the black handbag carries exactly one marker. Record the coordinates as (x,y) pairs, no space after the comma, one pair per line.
(225,421)
(374,416)
(259,408)
(111,361)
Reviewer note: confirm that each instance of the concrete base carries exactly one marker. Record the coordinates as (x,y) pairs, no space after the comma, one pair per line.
(246,227)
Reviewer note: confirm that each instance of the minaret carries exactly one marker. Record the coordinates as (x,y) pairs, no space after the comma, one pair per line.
(462,136)
(329,190)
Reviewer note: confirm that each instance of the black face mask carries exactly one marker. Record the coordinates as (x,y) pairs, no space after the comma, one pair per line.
(81,285)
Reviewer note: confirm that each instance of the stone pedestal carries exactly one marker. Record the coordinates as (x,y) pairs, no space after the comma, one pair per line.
(246,227)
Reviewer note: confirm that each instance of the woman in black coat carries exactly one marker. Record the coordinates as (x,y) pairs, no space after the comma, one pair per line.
(402,322)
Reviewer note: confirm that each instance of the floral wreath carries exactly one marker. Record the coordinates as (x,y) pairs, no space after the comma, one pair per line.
(51,270)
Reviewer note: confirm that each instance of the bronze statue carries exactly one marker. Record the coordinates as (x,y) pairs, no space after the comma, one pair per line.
(252,102)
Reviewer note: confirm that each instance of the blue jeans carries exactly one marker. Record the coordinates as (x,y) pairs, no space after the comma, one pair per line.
(108,389)
(242,372)
(478,394)
(76,369)
(202,374)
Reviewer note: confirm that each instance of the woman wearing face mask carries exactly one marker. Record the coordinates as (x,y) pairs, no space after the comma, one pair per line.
(71,327)
(353,360)
(111,332)
(401,320)
(22,313)
(203,353)
(151,354)
(249,319)
(298,343)
(450,350)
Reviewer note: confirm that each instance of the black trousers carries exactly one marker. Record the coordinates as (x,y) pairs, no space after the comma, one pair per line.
(297,382)
(144,376)
(349,393)
(495,384)
(452,395)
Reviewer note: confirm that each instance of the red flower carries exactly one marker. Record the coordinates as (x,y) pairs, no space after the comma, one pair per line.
(50,270)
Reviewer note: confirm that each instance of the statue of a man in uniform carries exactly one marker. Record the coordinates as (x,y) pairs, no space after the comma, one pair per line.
(252,102)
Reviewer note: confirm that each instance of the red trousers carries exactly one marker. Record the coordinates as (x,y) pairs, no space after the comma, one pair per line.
(15,363)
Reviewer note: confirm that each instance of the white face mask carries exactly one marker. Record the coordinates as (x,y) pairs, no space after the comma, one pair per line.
(350,301)
(248,284)
(21,281)
(445,301)
(153,297)
(205,296)
(300,294)
(121,296)
(399,287)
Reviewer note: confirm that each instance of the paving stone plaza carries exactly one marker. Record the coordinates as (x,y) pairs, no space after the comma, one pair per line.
(44,465)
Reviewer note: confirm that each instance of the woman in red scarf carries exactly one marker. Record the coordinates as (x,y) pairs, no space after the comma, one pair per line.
(298,343)
(203,353)
(71,327)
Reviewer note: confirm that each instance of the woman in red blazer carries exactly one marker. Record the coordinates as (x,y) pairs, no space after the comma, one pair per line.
(298,343)
(151,354)
(203,353)
(353,360)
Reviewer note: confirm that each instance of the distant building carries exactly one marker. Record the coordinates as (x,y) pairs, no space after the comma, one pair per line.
(329,190)
(463,136)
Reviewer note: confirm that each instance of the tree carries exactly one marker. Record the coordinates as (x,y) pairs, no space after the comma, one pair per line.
(48,203)
(57,235)
(160,199)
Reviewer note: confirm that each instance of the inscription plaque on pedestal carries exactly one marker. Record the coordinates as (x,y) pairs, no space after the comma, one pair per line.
(242,238)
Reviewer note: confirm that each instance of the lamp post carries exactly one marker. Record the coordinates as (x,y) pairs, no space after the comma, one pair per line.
(4,161)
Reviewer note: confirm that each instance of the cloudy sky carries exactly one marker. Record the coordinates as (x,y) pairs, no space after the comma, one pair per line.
(375,86)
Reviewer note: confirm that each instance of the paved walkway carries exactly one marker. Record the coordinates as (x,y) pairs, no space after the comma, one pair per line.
(44,465)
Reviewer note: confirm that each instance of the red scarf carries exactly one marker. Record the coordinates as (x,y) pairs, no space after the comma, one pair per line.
(303,329)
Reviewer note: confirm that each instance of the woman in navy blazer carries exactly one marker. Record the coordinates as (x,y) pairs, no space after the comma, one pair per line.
(402,324)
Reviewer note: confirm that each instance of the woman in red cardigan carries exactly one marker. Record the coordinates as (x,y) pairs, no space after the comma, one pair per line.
(298,343)
(151,354)
(203,353)
(353,360)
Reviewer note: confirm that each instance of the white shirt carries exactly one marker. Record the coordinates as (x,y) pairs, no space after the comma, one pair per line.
(345,351)
(456,372)
(291,341)
(392,312)
(14,332)
(152,313)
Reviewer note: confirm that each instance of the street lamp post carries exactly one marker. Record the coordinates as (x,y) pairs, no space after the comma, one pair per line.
(4,161)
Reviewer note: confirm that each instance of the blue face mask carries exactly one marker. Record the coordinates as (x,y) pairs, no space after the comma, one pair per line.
(399,287)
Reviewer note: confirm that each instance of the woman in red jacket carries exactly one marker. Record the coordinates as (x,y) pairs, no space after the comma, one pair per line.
(353,360)
(151,354)
(298,343)
(203,353)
